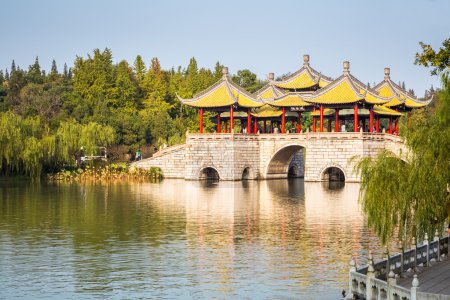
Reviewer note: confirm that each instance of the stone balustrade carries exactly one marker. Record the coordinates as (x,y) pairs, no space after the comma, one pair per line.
(264,156)
(380,280)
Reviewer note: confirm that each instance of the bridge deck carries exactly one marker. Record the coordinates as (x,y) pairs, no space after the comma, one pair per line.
(434,279)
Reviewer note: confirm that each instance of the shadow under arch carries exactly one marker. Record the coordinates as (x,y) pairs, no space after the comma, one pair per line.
(208,173)
(280,164)
(246,173)
(333,173)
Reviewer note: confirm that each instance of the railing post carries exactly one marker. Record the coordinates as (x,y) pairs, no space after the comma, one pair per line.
(350,286)
(386,256)
(370,275)
(427,264)
(400,247)
(436,238)
(391,281)
(415,288)
(414,246)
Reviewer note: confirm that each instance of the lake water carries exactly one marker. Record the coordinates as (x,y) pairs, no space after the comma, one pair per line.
(276,239)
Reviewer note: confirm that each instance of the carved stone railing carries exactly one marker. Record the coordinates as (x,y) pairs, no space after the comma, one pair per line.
(379,280)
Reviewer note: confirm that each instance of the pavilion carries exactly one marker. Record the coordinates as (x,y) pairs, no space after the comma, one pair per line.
(338,102)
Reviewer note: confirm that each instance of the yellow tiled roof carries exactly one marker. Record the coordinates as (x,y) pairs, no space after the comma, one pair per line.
(223,93)
(267,111)
(414,104)
(339,93)
(300,81)
(385,111)
(290,99)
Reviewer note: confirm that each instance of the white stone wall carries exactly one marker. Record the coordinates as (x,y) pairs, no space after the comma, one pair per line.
(230,154)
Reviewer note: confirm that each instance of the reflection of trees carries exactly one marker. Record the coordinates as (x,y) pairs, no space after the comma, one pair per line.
(276,230)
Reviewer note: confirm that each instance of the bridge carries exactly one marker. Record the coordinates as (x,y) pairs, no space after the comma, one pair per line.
(230,156)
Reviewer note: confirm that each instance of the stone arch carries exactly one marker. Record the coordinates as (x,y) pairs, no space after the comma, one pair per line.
(280,162)
(246,173)
(208,173)
(324,174)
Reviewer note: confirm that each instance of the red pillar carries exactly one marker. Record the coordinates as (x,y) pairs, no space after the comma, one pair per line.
(201,120)
(299,123)
(336,120)
(329,125)
(321,118)
(390,125)
(218,122)
(255,126)
(283,120)
(355,121)
(371,120)
(377,124)
(249,122)
(231,119)
(265,130)
(314,124)
(396,126)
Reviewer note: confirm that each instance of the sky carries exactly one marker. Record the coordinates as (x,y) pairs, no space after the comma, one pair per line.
(262,36)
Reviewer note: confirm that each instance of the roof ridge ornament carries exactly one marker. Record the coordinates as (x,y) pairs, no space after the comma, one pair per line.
(225,72)
(387,73)
(271,76)
(346,65)
(306,59)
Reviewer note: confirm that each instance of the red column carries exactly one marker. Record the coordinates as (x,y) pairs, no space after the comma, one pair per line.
(371,119)
(218,122)
(249,122)
(283,120)
(321,118)
(201,120)
(377,124)
(314,124)
(329,125)
(390,125)
(299,123)
(355,121)
(396,126)
(255,126)
(292,124)
(265,130)
(336,120)
(231,119)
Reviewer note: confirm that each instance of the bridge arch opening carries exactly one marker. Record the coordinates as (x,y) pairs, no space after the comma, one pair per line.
(333,174)
(208,173)
(287,162)
(246,174)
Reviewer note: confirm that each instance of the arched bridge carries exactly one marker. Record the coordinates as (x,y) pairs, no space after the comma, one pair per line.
(316,156)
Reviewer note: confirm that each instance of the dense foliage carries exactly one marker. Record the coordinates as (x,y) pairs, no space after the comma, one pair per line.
(407,196)
(47,117)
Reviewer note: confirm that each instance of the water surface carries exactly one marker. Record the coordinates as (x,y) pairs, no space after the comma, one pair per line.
(276,239)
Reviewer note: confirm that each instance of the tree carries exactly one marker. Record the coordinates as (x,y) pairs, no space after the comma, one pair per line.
(154,82)
(248,80)
(408,195)
(34,74)
(54,75)
(439,61)
(139,69)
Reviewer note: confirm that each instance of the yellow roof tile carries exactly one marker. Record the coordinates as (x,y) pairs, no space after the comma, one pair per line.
(342,92)
(291,100)
(300,81)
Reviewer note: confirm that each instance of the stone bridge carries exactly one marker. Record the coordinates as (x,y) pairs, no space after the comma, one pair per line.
(314,156)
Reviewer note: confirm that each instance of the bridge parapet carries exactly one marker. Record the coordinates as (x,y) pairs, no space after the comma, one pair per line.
(230,154)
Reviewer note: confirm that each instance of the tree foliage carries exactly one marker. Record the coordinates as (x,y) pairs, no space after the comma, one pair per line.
(407,195)
(439,61)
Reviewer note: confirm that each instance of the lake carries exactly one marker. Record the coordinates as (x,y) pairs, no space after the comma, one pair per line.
(274,239)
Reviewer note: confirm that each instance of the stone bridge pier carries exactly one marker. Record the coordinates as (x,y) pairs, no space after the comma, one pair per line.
(314,156)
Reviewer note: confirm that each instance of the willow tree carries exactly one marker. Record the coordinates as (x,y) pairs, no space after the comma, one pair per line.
(406,194)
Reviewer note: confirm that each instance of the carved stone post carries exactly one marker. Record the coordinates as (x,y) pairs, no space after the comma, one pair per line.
(415,288)
(391,281)
(436,238)
(370,275)
(414,246)
(386,257)
(350,286)
(427,263)
(400,247)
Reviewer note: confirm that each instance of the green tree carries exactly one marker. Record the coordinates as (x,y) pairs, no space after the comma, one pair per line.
(154,83)
(248,80)
(439,61)
(408,195)
(34,74)
(139,69)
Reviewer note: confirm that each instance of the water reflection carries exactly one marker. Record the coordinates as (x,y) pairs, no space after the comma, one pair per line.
(180,239)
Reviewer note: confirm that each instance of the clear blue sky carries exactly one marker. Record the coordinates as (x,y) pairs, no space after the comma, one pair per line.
(263,36)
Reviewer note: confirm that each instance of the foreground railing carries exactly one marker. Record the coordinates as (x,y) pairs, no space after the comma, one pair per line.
(379,280)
